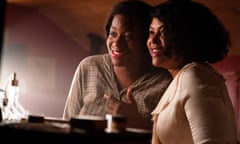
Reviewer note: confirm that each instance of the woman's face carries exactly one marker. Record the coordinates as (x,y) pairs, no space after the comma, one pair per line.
(125,42)
(156,46)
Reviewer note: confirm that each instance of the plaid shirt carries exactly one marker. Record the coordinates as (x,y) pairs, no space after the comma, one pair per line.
(94,77)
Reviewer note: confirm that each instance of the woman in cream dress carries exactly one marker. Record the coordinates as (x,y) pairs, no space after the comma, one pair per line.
(185,37)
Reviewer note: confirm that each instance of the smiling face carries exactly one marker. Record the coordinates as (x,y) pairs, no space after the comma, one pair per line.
(156,46)
(125,42)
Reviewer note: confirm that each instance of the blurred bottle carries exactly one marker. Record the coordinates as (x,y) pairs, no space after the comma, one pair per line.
(11,107)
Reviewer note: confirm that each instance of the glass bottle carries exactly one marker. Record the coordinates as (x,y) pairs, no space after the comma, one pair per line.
(14,110)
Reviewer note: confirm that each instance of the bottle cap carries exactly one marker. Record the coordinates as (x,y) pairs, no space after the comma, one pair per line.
(14,81)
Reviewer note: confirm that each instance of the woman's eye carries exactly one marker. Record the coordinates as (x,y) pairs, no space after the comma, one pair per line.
(162,30)
(128,37)
(151,32)
(112,34)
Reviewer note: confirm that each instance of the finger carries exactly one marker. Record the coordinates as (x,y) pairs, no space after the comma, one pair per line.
(111,108)
(129,93)
(106,96)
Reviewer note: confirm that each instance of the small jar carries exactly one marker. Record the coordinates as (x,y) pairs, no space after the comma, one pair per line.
(115,123)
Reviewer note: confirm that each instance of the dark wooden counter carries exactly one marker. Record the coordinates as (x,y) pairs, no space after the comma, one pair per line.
(45,132)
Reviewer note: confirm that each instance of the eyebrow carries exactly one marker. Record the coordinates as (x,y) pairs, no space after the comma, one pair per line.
(161,28)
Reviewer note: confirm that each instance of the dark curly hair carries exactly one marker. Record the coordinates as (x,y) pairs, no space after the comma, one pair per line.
(192,31)
(136,9)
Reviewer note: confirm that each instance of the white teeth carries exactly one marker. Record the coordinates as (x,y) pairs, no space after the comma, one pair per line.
(116,52)
(155,50)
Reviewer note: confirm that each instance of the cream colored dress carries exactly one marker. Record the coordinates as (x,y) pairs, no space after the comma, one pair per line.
(195,109)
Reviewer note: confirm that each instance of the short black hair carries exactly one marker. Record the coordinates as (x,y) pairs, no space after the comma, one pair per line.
(135,9)
(192,31)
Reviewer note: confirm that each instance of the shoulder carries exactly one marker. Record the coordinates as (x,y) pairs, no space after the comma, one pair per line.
(196,71)
(95,60)
(160,74)
(156,78)
(199,79)
(95,64)
(192,74)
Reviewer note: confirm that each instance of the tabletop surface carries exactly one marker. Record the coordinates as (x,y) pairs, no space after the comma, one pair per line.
(63,131)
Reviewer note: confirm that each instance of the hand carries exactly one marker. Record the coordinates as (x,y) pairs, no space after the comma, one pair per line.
(112,104)
(134,118)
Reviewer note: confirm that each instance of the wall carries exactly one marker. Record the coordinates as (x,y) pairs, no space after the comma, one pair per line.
(43,57)
(230,68)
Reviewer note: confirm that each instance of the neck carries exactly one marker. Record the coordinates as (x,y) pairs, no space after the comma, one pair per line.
(127,75)
(176,66)
(173,72)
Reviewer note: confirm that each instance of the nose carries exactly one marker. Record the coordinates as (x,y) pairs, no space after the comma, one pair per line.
(156,39)
(118,41)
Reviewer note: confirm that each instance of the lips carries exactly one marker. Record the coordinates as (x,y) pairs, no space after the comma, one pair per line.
(155,52)
(116,53)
